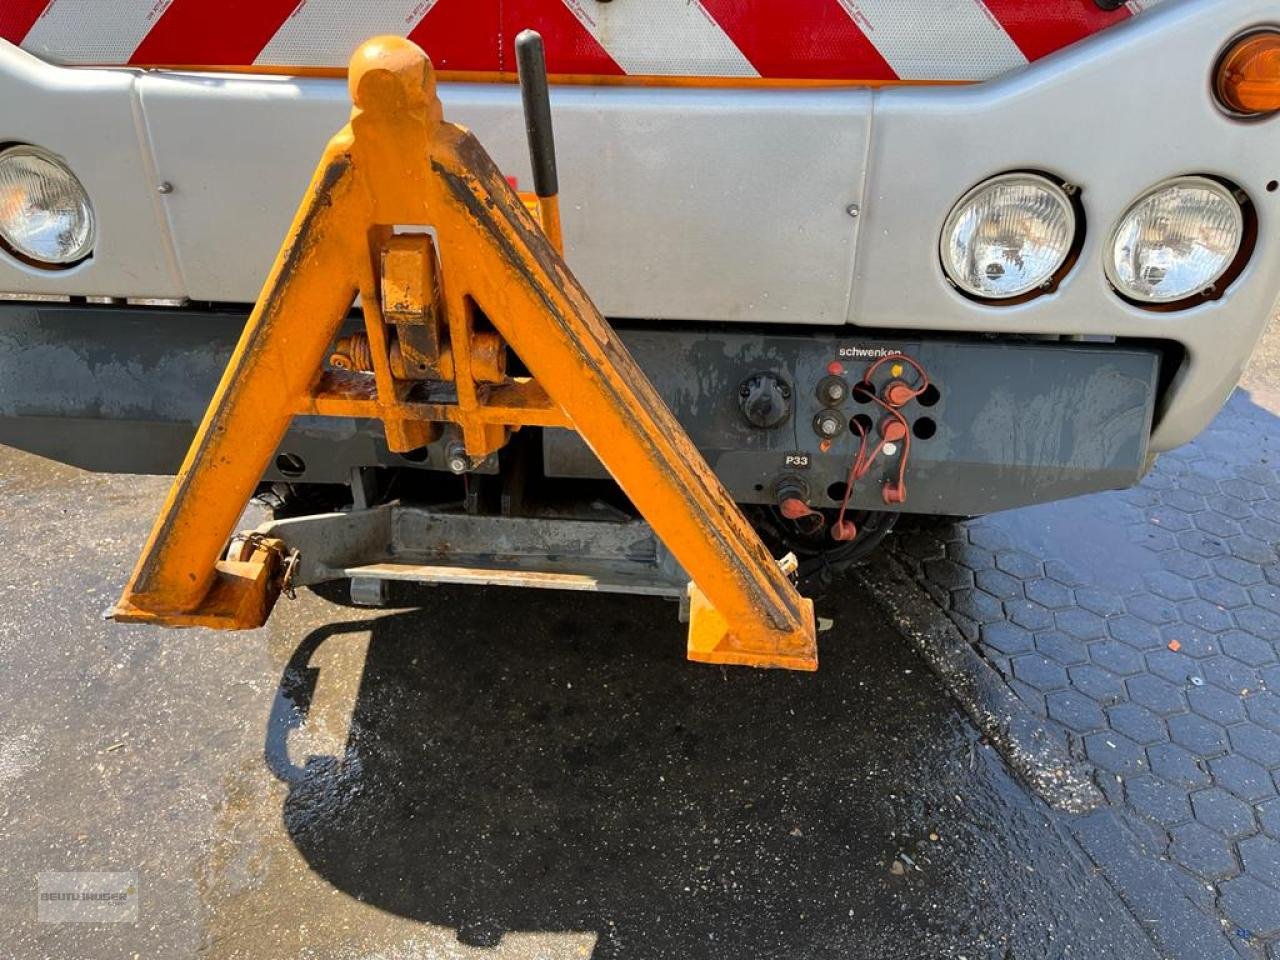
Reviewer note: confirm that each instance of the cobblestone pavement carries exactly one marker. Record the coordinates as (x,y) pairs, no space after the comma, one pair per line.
(1144,627)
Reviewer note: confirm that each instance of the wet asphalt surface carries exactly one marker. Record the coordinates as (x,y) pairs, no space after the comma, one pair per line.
(494,774)
(491,773)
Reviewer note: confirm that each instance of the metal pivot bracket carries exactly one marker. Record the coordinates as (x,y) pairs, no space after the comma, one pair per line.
(453,271)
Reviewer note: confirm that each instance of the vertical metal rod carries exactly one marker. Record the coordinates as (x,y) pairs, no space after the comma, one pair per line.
(531,63)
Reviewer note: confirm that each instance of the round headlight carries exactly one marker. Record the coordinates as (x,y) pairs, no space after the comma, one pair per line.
(1175,241)
(1008,236)
(45,216)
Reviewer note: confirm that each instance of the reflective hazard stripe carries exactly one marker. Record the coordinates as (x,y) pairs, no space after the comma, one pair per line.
(945,40)
(838,40)
(662,38)
(320,33)
(92,31)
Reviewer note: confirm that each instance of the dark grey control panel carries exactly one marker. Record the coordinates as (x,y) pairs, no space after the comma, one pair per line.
(999,425)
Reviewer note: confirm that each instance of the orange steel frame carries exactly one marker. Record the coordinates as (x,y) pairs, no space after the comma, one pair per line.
(409,212)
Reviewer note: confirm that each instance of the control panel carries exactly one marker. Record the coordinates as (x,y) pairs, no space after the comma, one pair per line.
(925,425)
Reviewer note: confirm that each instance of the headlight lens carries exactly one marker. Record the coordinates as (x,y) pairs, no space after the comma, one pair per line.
(45,215)
(1177,240)
(1008,236)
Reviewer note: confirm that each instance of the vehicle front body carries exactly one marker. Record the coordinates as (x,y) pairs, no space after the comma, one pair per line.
(738,201)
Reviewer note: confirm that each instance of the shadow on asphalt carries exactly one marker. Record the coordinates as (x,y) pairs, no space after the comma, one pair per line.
(548,762)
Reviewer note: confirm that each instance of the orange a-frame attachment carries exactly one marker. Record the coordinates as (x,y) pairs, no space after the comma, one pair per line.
(409,212)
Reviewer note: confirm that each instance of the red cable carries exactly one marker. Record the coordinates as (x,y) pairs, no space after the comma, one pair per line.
(861,462)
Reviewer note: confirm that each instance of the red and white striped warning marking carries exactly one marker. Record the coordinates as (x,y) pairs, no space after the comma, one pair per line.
(869,40)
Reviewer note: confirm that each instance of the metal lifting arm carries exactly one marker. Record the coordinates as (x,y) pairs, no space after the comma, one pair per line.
(410,212)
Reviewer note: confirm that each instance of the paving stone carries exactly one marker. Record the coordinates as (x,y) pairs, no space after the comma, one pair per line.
(990,537)
(1202,737)
(1137,723)
(1048,593)
(1028,694)
(1138,633)
(1102,602)
(1206,615)
(1269,817)
(1229,506)
(1039,671)
(1231,675)
(1270,677)
(1261,623)
(1261,858)
(1185,500)
(1027,614)
(1252,905)
(1067,574)
(1168,518)
(1247,648)
(1177,668)
(1156,694)
(1075,710)
(1252,741)
(1204,852)
(1154,539)
(1240,775)
(1152,609)
(1214,704)
(1168,585)
(969,556)
(1158,801)
(1008,638)
(1252,549)
(1223,812)
(998,583)
(1242,489)
(969,628)
(1264,708)
(1097,684)
(977,606)
(1217,524)
(1192,640)
(1266,596)
(1197,483)
(947,574)
(1176,765)
(1019,564)
(1223,594)
(1115,753)
(1064,649)
(1118,657)
(1237,571)
(1202,544)
(1081,624)
(1187,565)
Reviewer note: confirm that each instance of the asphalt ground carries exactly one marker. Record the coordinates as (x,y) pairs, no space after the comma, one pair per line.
(519,774)
(509,774)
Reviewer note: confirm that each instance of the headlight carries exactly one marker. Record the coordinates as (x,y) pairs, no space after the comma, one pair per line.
(1008,236)
(1177,240)
(45,216)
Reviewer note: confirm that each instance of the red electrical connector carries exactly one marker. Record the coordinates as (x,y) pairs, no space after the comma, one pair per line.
(893,429)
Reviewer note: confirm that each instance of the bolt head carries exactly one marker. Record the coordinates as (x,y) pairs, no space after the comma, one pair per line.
(458,464)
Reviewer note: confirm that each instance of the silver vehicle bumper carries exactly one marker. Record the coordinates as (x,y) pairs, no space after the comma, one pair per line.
(708,204)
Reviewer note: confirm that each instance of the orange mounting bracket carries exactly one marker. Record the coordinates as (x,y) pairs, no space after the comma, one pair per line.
(409,212)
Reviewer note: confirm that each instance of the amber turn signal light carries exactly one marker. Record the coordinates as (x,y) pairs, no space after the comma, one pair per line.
(1248,78)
